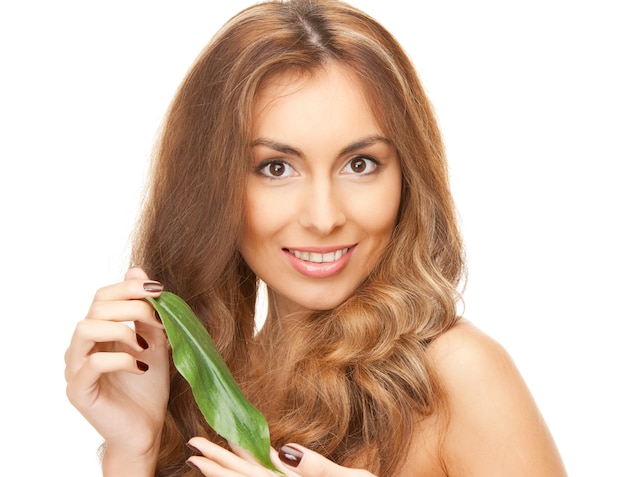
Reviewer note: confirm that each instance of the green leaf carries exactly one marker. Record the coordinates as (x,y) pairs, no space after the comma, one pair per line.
(218,396)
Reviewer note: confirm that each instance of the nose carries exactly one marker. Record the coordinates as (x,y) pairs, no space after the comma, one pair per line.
(322,208)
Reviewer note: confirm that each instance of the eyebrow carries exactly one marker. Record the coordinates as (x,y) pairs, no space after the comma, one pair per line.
(289,150)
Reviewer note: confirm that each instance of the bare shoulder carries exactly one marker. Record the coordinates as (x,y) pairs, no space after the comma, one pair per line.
(466,355)
(494,427)
(464,342)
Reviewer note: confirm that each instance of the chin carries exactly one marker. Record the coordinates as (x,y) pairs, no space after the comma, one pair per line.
(324,304)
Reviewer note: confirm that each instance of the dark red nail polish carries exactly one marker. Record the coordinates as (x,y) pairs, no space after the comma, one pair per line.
(153,287)
(194,449)
(142,342)
(290,455)
(193,466)
(142,366)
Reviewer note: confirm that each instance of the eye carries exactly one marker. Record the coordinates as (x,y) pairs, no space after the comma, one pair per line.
(361,165)
(275,169)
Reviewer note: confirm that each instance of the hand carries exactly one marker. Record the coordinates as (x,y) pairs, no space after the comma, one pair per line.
(293,460)
(117,377)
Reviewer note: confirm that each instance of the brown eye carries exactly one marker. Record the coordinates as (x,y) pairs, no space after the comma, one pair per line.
(358,165)
(361,165)
(276,169)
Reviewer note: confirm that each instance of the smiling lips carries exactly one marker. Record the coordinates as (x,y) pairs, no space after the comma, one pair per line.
(320,257)
(319,264)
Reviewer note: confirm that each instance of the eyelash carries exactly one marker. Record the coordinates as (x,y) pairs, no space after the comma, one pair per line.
(260,169)
(376,163)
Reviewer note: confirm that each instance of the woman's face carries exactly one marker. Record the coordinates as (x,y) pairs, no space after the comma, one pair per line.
(323,191)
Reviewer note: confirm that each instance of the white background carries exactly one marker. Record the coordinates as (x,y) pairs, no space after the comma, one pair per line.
(531,100)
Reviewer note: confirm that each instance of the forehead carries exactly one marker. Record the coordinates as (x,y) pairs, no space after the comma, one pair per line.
(327,91)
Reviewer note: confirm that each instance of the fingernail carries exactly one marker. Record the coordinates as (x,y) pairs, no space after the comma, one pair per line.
(193,466)
(142,342)
(194,449)
(290,455)
(153,287)
(142,366)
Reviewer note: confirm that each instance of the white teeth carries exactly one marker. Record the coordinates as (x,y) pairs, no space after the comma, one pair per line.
(319,257)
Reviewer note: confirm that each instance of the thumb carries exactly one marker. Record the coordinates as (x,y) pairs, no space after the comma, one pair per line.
(135,273)
(308,463)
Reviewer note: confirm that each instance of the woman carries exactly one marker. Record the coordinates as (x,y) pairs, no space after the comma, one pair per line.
(301,151)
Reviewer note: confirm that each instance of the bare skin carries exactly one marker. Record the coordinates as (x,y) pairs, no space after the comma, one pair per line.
(494,427)
(124,403)
(322,195)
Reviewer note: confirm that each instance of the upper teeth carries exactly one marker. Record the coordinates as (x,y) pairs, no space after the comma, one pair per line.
(320,257)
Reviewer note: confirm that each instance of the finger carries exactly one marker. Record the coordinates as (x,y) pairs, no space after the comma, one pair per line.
(243,453)
(123,310)
(247,456)
(130,288)
(307,463)
(208,467)
(89,333)
(82,385)
(226,461)
(135,273)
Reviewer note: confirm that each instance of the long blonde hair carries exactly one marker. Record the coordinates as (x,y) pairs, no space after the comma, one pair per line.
(349,382)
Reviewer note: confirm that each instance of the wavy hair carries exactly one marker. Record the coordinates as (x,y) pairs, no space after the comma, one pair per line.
(351,382)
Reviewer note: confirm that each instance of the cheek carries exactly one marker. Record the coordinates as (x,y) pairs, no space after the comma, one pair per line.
(379,211)
(263,216)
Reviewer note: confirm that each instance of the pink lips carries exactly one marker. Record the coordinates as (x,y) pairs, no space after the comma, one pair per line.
(323,269)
